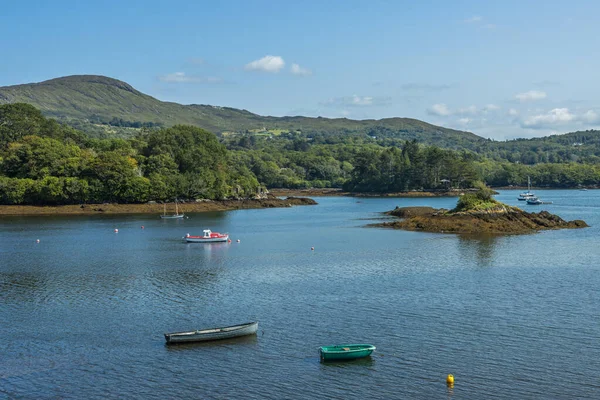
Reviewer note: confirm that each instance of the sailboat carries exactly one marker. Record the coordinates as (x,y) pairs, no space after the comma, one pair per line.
(528,194)
(172,216)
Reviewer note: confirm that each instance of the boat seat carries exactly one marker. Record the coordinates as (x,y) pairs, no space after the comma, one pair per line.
(345,348)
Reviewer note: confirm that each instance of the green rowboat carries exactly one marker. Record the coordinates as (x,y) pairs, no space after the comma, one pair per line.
(345,352)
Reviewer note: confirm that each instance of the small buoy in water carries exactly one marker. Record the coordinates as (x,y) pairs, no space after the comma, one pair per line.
(229,241)
(450,380)
(238,240)
(37,241)
(312,248)
(116,231)
(142,226)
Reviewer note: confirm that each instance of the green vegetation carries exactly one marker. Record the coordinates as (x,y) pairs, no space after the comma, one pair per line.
(481,200)
(134,150)
(43,162)
(87,102)
(359,163)
(104,107)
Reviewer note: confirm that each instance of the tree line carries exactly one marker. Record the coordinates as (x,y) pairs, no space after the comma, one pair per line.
(43,162)
(46,162)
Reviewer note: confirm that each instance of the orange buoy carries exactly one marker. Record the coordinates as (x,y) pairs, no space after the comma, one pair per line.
(229,241)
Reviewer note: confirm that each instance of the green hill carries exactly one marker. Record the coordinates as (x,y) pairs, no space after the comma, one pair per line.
(101,104)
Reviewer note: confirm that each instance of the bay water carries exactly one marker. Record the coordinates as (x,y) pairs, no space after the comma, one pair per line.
(83,312)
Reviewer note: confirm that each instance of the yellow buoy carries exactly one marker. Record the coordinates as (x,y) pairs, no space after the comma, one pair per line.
(450,379)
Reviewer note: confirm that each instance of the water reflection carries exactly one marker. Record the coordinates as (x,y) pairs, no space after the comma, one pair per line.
(20,287)
(175,280)
(84,311)
(210,251)
(480,248)
(358,363)
(249,340)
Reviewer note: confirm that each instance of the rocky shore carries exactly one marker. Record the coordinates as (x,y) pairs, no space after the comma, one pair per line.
(155,208)
(500,220)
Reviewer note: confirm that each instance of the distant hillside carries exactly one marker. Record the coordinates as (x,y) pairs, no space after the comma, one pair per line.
(90,102)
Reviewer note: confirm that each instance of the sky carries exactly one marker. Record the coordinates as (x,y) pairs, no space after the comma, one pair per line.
(500,69)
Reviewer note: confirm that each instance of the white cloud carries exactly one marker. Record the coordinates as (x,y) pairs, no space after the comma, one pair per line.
(196,60)
(361,101)
(532,95)
(490,107)
(474,19)
(176,77)
(298,70)
(424,86)
(181,77)
(471,110)
(556,116)
(439,110)
(358,101)
(271,64)
(464,121)
(591,117)
(512,112)
(442,110)
(562,117)
(479,22)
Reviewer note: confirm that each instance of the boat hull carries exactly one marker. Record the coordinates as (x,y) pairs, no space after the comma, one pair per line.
(172,216)
(206,240)
(206,335)
(345,352)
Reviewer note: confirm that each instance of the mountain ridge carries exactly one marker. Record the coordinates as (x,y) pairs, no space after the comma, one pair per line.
(84,100)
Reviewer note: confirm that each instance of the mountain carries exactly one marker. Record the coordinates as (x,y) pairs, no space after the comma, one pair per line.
(98,103)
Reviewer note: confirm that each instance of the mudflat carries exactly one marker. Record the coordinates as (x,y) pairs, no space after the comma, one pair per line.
(154,208)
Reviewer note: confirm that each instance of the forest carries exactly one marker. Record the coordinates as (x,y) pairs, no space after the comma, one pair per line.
(44,162)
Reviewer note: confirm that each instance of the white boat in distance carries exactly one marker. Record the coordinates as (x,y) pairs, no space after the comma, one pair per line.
(528,194)
(172,216)
(207,237)
(534,201)
(204,335)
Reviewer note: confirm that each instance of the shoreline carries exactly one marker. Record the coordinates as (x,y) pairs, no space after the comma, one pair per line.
(332,192)
(158,209)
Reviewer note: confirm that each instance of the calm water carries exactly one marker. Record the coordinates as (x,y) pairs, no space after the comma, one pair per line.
(83,312)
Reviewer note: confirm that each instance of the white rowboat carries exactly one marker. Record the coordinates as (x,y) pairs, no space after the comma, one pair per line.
(204,335)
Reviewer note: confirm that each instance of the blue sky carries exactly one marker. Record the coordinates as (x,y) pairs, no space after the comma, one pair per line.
(501,69)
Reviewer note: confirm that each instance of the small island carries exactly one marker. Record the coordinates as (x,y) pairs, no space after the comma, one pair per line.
(477,213)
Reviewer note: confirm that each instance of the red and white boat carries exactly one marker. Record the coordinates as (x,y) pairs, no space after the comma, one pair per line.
(208,237)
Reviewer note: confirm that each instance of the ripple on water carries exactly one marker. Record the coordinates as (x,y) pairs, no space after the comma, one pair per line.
(84,314)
